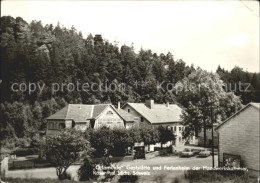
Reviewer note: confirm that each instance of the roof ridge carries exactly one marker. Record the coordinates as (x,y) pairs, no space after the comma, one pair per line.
(67,112)
(103,110)
(233,115)
(92,110)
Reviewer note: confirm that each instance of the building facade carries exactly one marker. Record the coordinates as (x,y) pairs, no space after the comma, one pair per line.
(151,114)
(239,138)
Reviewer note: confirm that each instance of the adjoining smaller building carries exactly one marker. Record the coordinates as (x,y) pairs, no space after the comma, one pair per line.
(238,138)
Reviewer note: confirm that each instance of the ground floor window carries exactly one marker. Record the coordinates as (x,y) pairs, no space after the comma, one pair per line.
(99,124)
(61,126)
(119,124)
(109,124)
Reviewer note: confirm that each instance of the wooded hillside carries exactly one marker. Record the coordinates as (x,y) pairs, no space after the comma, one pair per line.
(47,54)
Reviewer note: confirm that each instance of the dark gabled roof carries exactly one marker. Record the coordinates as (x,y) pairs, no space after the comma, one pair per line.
(255,105)
(79,112)
(126,116)
(61,114)
(98,109)
(160,113)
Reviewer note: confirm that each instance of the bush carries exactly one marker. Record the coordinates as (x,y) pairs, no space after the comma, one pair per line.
(110,172)
(85,172)
(68,146)
(25,151)
(128,178)
(115,142)
(23,142)
(9,143)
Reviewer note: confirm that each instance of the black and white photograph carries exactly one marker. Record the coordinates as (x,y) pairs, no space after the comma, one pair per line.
(161,91)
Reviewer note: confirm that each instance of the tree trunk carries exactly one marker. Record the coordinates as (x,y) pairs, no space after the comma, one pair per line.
(196,130)
(205,132)
(62,175)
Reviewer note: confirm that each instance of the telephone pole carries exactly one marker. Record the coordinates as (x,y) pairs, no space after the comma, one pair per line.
(212,136)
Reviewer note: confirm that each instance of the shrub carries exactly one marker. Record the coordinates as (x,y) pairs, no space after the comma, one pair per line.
(22,142)
(110,171)
(85,172)
(25,151)
(128,178)
(114,142)
(65,148)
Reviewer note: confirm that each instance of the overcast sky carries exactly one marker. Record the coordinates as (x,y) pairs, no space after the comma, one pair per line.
(207,34)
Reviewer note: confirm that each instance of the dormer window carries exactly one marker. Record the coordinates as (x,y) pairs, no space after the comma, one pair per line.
(142,119)
(109,113)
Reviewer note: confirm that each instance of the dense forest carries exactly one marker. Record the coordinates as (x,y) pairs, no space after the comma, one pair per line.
(48,54)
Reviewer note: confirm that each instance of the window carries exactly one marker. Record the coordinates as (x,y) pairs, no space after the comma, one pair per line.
(51,125)
(118,124)
(179,128)
(130,125)
(61,126)
(172,128)
(109,113)
(142,119)
(128,110)
(99,123)
(175,128)
(109,124)
(183,128)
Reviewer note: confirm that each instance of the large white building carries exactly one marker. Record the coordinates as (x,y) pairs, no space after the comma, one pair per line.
(166,115)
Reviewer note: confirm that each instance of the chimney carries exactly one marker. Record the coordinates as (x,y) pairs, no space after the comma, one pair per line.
(167,104)
(149,103)
(118,105)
